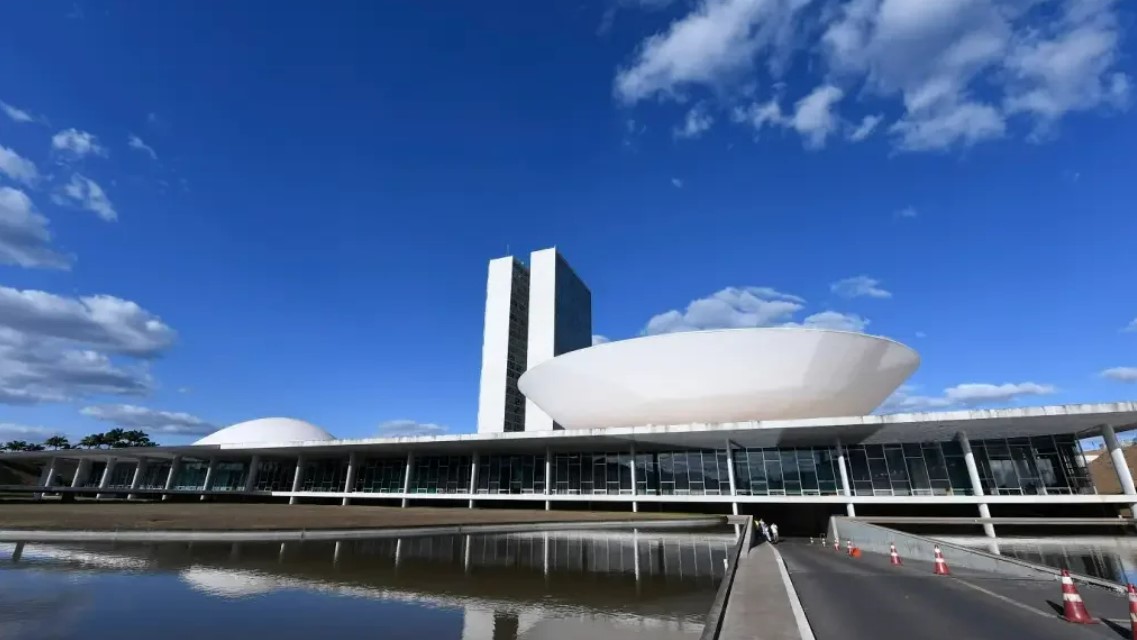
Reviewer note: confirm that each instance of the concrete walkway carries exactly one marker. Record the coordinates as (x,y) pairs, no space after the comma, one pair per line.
(760,606)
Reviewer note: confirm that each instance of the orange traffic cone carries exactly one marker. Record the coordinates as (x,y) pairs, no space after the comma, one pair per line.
(849,547)
(893,557)
(1073,609)
(837,545)
(941,568)
(1133,610)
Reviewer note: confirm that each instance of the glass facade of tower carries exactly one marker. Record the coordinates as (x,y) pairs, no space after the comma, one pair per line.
(517,351)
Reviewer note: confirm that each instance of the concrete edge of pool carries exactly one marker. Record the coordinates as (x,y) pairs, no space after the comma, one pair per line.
(48,535)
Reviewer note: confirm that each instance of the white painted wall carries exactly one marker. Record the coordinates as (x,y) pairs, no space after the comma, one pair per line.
(495,344)
(542,325)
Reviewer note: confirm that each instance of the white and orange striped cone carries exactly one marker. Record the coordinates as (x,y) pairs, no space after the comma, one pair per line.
(849,547)
(837,545)
(893,557)
(941,568)
(1133,611)
(1073,609)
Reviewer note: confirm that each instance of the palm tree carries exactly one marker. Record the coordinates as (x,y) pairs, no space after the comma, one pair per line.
(115,438)
(136,438)
(17,445)
(93,441)
(57,442)
(34,447)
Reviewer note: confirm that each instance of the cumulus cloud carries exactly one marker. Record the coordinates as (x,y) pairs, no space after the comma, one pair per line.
(16,114)
(406,428)
(907,212)
(599,339)
(150,420)
(859,287)
(1121,374)
(965,395)
(87,194)
(1131,327)
(100,321)
(136,143)
(697,122)
(17,167)
(77,144)
(35,370)
(960,72)
(677,183)
(732,307)
(835,321)
(25,240)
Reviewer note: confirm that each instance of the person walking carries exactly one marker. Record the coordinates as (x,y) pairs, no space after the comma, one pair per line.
(774,532)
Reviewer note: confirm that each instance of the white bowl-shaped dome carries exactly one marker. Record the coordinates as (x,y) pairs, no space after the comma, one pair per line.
(732,375)
(267,430)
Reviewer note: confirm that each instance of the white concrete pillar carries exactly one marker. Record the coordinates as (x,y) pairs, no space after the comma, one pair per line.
(82,470)
(107,471)
(251,476)
(349,482)
(843,467)
(209,468)
(407,477)
(139,470)
(297,478)
(1117,455)
(47,478)
(976,483)
(632,464)
(171,476)
(473,477)
(548,478)
(730,477)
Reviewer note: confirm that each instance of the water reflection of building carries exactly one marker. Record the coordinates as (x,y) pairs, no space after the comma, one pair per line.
(507,585)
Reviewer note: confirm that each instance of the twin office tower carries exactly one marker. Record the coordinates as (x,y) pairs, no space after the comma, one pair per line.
(533,314)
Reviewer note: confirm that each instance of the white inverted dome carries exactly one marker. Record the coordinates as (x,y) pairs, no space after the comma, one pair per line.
(267,430)
(733,375)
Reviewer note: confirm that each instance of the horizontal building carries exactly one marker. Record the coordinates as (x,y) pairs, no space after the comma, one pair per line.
(734,420)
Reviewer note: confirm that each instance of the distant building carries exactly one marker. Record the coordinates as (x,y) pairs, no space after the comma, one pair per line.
(533,314)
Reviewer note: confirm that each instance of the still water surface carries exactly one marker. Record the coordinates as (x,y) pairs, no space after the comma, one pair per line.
(564,585)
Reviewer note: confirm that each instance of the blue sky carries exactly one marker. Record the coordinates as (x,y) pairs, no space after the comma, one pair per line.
(265,208)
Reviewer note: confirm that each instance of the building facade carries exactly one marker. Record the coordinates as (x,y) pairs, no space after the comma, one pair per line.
(533,314)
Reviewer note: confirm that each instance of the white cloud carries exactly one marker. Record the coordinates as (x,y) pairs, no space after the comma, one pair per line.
(134,142)
(962,71)
(86,193)
(101,321)
(1121,374)
(10,431)
(25,240)
(983,393)
(697,122)
(858,287)
(714,45)
(677,183)
(409,428)
(865,128)
(1131,327)
(17,167)
(16,114)
(77,144)
(921,334)
(906,398)
(835,321)
(733,307)
(907,212)
(599,339)
(152,421)
(814,118)
(34,370)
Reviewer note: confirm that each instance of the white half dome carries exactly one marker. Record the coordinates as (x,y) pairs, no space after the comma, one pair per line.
(734,375)
(266,430)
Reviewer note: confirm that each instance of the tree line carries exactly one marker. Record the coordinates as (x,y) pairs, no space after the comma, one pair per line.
(113,439)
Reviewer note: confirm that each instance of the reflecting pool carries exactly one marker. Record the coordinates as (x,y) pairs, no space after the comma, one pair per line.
(609,584)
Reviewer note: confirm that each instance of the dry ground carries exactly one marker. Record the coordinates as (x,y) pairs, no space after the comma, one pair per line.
(214,517)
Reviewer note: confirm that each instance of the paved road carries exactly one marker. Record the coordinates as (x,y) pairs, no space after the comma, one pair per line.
(867,599)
